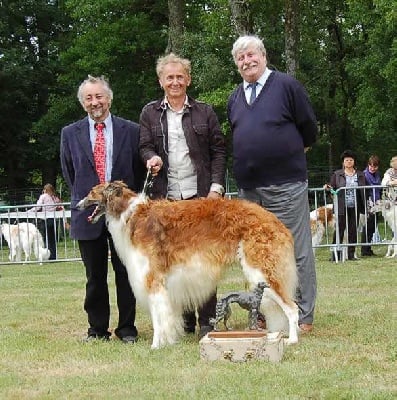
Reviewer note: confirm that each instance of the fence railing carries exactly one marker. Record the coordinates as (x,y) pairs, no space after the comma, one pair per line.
(20,243)
(28,236)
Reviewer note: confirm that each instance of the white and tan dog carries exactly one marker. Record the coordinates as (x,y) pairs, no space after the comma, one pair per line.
(321,221)
(176,253)
(24,236)
(388,208)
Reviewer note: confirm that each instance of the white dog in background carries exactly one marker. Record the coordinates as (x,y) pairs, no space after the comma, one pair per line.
(24,236)
(321,221)
(389,211)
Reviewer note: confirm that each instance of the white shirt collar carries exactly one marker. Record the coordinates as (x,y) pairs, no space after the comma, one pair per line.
(186,104)
(107,121)
(262,80)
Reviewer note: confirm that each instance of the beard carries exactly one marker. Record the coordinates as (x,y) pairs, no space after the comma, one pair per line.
(97,112)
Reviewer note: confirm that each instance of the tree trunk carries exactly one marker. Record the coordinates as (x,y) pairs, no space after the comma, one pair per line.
(241,16)
(291,36)
(176,12)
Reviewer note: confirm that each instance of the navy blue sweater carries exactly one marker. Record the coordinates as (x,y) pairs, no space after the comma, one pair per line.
(269,136)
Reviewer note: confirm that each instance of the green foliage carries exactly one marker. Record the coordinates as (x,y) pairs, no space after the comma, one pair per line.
(347,62)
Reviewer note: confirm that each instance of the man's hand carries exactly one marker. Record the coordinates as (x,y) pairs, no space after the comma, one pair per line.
(214,195)
(154,164)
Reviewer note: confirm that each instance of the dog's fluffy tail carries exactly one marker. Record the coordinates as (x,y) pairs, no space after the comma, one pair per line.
(40,251)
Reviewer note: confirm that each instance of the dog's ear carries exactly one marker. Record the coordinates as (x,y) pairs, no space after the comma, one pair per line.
(114,189)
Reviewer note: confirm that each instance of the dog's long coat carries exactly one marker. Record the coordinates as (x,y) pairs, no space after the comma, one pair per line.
(24,236)
(176,252)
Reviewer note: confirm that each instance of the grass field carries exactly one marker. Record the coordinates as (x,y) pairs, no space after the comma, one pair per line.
(350,355)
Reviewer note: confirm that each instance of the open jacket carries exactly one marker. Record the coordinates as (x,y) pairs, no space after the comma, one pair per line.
(203,136)
(78,167)
(338,180)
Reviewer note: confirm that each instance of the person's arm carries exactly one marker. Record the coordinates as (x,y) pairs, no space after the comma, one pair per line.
(305,118)
(147,149)
(66,160)
(39,204)
(217,155)
(386,178)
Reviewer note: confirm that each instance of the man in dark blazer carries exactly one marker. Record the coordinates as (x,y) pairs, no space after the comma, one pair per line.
(79,170)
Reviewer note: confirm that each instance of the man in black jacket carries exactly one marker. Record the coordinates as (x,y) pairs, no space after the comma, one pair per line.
(182,143)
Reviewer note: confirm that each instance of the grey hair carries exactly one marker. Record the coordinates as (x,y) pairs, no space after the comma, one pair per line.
(95,79)
(243,42)
(172,58)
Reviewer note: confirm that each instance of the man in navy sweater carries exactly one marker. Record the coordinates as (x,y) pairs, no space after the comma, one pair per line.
(273,125)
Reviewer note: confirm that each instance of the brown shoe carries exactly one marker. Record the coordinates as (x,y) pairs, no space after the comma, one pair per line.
(305,328)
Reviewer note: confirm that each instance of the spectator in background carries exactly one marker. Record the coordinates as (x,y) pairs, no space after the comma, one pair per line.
(351,201)
(273,125)
(47,203)
(182,143)
(83,167)
(373,178)
(390,176)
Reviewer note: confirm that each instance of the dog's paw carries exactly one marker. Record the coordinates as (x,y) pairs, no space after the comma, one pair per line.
(290,341)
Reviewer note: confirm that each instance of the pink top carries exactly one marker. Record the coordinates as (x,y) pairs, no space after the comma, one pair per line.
(46,203)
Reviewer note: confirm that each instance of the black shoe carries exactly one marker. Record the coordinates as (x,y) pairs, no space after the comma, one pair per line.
(352,258)
(93,338)
(189,327)
(368,254)
(129,339)
(204,330)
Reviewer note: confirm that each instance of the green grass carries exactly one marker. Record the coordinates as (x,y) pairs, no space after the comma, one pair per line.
(350,355)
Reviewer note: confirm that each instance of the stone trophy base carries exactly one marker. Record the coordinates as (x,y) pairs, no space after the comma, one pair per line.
(240,346)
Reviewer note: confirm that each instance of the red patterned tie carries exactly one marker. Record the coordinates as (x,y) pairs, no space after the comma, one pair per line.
(100,152)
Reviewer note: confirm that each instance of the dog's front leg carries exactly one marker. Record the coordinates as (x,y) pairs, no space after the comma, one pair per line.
(228,313)
(167,319)
(253,319)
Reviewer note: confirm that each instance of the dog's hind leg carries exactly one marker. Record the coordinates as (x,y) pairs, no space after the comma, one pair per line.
(290,311)
(26,249)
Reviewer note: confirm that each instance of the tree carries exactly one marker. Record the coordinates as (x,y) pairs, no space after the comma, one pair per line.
(291,36)
(29,33)
(344,52)
(241,16)
(176,17)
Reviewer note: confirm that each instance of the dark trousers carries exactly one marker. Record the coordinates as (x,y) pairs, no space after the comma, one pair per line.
(352,222)
(367,233)
(94,254)
(205,312)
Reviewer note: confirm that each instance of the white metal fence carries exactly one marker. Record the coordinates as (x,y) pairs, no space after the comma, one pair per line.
(55,224)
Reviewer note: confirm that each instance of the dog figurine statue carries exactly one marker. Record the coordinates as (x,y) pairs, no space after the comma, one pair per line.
(250,301)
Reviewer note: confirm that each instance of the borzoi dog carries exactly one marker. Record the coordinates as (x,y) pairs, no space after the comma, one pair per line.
(24,236)
(321,221)
(176,252)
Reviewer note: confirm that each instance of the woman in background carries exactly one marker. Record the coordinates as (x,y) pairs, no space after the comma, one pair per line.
(48,203)
(372,177)
(351,201)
